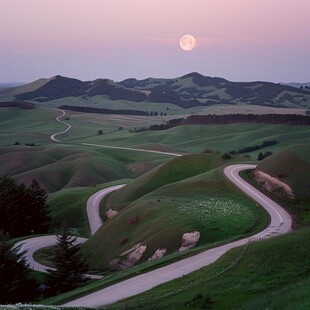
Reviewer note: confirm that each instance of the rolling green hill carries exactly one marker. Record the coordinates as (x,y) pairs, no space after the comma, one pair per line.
(291,166)
(273,274)
(183,195)
(58,167)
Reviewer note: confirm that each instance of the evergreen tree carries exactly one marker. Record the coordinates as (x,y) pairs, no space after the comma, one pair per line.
(70,266)
(14,285)
(23,210)
(260,156)
(39,208)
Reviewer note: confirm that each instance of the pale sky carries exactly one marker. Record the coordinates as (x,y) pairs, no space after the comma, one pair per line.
(240,40)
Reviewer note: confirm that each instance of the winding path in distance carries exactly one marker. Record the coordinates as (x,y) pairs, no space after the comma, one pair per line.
(280,223)
(58,119)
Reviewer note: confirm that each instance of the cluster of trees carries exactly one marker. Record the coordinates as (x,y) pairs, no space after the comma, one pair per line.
(23,209)
(16,284)
(262,155)
(273,119)
(213,119)
(18,104)
(252,148)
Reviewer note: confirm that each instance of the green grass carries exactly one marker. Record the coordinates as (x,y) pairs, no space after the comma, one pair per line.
(27,126)
(195,138)
(272,274)
(70,205)
(294,166)
(59,167)
(183,195)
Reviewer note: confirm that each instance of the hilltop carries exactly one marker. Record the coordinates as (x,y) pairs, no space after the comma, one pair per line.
(187,91)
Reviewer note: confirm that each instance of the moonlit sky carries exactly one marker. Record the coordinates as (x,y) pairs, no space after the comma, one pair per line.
(240,40)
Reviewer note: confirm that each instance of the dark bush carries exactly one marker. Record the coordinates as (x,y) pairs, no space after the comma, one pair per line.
(226,156)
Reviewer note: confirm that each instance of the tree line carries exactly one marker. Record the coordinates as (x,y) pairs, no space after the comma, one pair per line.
(252,148)
(102,111)
(214,119)
(18,104)
(24,211)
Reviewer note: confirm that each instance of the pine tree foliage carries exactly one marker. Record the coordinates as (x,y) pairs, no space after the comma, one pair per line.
(14,285)
(70,265)
(23,209)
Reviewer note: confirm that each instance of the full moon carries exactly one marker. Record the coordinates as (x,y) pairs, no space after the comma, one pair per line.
(187,42)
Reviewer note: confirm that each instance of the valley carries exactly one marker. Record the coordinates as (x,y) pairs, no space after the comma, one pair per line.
(164,198)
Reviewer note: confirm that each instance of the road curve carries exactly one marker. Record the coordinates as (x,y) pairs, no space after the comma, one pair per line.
(63,113)
(280,223)
(32,245)
(92,207)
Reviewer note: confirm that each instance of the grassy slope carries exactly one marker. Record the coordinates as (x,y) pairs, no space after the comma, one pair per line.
(272,274)
(196,138)
(26,126)
(169,201)
(294,164)
(59,167)
(70,205)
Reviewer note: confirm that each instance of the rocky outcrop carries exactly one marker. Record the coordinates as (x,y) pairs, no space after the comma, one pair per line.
(189,240)
(272,184)
(158,254)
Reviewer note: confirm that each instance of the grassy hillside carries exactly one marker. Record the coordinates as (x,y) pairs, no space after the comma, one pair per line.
(175,170)
(27,126)
(195,138)
(273,274)
(291,166)
(61,167)
(168,202)
(70,205)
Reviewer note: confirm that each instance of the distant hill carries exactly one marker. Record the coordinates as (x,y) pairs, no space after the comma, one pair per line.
(10,84)
(187,91)
(297,85)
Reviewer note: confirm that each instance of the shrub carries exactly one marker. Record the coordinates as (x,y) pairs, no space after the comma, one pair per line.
(123,241)
(226,156)
(207,150)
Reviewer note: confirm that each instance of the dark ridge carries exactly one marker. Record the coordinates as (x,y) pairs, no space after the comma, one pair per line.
(116,92)
(56,88)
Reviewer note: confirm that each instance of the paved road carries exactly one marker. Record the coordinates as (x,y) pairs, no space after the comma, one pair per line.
(131,149)
(280,223)
(33,244)
(92,207)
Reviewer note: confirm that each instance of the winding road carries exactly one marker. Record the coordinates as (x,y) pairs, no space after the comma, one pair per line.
(280,223)
(58,119)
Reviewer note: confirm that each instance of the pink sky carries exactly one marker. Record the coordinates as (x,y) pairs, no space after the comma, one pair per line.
(239,40)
